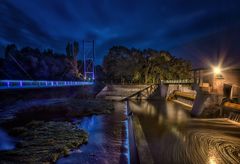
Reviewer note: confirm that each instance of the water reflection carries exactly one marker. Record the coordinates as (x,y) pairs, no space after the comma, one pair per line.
(6,142)
(174,137)
(107,139)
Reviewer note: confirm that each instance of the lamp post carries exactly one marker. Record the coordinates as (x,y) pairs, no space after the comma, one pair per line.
(217,70)
(217,80)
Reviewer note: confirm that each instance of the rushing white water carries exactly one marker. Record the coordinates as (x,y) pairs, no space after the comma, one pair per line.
(6,142)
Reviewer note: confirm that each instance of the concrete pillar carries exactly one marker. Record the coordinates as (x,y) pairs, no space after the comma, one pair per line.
(198,105)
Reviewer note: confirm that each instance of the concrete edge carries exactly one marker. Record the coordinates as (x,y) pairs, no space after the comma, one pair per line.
(189,107)
(144,153)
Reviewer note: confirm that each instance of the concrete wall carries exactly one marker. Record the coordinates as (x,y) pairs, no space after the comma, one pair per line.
(232,76)
(229,76)
(173,87)
(121,92)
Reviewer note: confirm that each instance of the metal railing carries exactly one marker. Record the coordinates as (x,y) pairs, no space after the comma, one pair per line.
(183,81)
(133,152)
(20,84)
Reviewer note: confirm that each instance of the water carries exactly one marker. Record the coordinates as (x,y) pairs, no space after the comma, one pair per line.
(6,142)
(174,137)
(8,112)
(107,139)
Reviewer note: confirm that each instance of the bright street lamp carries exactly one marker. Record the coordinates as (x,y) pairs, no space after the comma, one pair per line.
(217,70)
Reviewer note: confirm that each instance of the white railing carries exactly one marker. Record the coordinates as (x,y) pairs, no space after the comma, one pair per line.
(18,84)
(184,81)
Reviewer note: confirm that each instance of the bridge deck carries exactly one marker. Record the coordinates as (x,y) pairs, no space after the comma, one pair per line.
(24,84)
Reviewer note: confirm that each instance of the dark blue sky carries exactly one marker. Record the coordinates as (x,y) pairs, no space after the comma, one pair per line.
(190,29)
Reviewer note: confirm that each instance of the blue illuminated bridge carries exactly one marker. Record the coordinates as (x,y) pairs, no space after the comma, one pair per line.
(18,84)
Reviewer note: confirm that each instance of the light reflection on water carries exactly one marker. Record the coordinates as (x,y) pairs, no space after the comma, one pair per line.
(107,139)
(6,142)
(174,137)
(93,124)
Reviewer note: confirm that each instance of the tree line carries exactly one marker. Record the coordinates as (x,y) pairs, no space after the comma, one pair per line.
(32,63)
(120,65)
(124,65)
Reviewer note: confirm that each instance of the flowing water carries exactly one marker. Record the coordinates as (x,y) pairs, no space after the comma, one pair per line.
(171,134)
(174,137)
(107,141)
(108,135)
(6,142)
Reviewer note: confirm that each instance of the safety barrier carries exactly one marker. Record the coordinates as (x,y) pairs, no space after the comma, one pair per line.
(184,81)
(18,84)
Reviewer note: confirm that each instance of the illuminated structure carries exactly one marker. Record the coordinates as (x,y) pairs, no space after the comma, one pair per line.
(220,81)
(88,54)
(217,70)
(24,84)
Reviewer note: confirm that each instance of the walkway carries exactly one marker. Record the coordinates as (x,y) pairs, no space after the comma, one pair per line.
(24,84)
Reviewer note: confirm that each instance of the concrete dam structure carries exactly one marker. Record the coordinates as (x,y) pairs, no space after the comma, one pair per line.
(123,92)
(192,96)
(162,129)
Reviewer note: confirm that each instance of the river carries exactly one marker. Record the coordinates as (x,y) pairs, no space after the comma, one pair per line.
(174,137)
(6,142)
(107,143)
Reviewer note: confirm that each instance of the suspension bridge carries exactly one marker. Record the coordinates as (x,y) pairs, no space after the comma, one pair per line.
(88,72)
(25,84)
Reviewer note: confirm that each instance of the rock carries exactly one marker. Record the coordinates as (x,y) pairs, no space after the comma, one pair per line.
(43,142)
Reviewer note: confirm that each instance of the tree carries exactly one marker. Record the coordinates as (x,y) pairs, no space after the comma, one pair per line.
(68,49)
(75,53)
(10,49)
(148,66)
(47,52)
(75,49)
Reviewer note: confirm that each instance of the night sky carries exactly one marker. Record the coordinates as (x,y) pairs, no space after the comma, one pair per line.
(194,30)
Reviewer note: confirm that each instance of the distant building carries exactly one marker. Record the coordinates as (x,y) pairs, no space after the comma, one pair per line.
(226,82)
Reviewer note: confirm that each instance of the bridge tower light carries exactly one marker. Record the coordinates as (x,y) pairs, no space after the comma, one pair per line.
(88,61)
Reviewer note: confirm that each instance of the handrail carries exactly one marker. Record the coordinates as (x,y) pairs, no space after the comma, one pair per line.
(134,158)
(18,84)
(183,81)
(136,93)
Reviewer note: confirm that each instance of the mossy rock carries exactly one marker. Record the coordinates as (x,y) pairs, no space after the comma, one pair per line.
(44,142)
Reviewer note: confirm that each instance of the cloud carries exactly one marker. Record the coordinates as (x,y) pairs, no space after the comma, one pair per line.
(202,53)
(142,24)
(17,27)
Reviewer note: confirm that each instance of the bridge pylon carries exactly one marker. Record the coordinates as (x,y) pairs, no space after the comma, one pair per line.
(88,60)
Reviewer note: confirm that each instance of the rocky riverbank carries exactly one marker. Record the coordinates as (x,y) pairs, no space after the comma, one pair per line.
(46,133)
(43,142)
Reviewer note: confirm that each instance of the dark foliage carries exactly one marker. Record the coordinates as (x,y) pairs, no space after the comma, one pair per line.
(29,63)
(123,65)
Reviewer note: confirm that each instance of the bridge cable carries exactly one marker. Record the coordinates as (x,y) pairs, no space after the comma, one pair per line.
(20,66)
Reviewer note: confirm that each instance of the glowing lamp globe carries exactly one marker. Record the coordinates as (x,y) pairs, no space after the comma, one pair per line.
(217,70)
